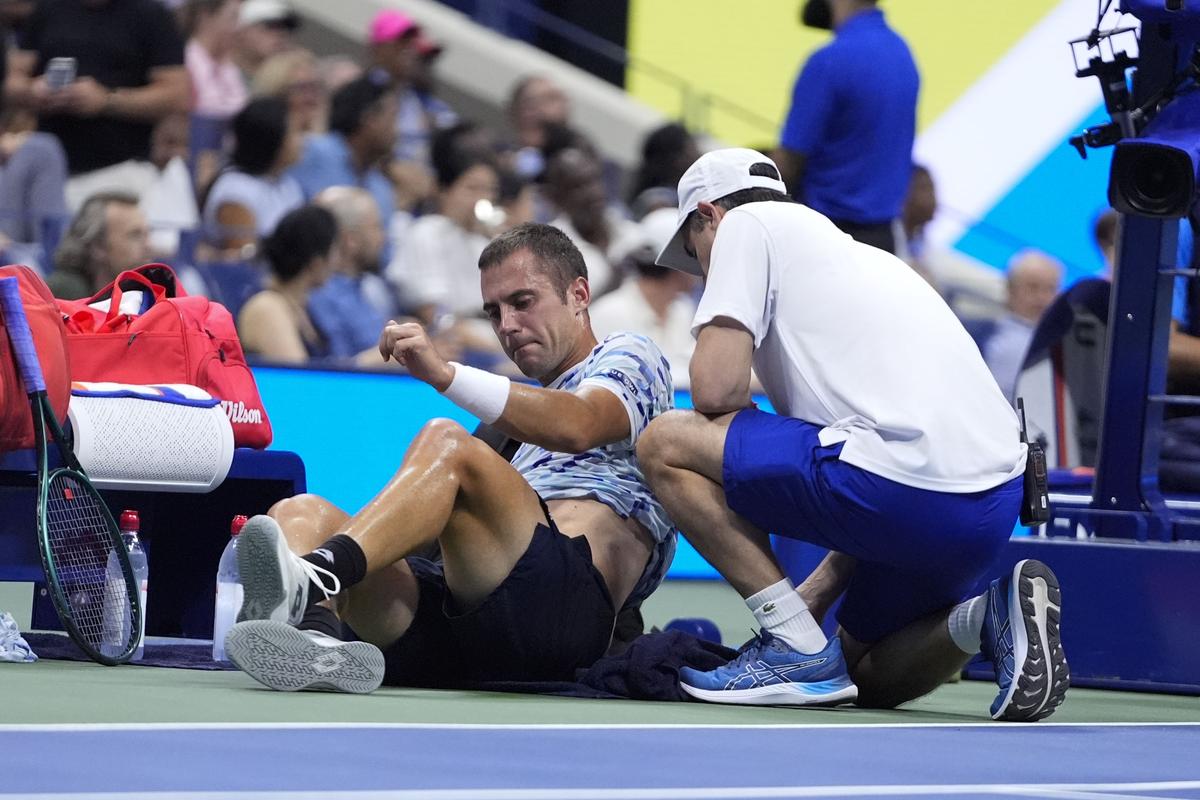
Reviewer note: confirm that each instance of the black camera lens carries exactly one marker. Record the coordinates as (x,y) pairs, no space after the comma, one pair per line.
(1151,180)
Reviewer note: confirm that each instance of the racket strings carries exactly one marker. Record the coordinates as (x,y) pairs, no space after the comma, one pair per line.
(80,545)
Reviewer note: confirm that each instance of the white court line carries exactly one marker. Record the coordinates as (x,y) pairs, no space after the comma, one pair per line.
(1081,790)
(69,727)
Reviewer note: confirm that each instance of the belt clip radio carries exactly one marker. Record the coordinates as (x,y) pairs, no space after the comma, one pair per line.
(1035,502)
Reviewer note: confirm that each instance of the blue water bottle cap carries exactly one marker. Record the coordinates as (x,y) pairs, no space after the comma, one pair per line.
(699,627)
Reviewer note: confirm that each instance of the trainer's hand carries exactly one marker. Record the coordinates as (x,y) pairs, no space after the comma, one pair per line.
(409,344)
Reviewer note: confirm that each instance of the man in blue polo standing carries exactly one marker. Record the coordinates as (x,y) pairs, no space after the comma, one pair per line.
(846,147)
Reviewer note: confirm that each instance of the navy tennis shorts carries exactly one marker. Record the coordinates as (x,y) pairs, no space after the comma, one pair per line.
(918,550)
(551,616)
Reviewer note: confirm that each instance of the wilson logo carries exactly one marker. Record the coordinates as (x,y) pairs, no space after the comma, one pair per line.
(237,412)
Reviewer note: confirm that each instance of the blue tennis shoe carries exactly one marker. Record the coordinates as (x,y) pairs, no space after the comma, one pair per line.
(1021,638)
(770,673)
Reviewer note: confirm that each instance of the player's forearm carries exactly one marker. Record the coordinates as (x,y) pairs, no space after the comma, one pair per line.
(556,420)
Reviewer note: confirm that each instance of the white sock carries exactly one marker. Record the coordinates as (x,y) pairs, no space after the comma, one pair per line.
(780,610)
(966,623)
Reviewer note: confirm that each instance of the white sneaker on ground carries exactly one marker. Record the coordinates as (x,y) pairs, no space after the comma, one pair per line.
(288,659)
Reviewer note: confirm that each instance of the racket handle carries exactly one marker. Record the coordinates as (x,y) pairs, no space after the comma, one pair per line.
(20,335)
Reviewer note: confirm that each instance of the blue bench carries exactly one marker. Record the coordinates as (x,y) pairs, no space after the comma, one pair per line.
(184,534)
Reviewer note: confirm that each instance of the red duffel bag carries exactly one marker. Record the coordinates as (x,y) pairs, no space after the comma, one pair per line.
(178,338)
(50,340)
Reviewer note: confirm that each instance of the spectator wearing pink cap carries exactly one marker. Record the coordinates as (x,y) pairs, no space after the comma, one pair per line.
(398,47)
(439,114)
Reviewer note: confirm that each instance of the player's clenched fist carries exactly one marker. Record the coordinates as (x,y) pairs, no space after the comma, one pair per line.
(409,344)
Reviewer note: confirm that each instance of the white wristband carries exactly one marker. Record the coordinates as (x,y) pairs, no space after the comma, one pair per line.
(482,393)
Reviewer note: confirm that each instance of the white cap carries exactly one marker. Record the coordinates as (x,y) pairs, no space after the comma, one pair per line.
(657,228)
(713,176)
(254,12)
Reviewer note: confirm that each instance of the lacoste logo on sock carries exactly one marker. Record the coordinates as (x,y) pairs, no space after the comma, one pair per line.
(768,608)
(325,554)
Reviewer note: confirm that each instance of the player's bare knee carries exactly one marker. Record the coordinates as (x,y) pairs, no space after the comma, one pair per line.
(440,438)
(663,445)
(658,442)
(301,506)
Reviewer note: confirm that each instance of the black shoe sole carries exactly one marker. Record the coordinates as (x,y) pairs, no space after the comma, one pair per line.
(1043,676)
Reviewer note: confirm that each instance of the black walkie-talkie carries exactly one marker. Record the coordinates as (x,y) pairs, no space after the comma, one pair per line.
(1035,503)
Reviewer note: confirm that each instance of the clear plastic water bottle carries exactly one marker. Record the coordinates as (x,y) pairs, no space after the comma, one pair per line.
(116,619)
(229,590)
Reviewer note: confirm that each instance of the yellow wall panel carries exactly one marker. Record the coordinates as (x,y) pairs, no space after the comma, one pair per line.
(748,52)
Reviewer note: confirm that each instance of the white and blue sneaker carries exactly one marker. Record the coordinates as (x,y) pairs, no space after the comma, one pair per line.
(274,579)
(770,673)
(1021,638)
(288,659)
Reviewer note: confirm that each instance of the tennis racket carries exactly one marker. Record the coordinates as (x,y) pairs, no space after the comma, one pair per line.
(87,566)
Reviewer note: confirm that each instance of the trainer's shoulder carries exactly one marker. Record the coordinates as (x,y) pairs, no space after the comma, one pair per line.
(775,217)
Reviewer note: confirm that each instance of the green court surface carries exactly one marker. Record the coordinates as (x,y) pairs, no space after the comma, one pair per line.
(74,692)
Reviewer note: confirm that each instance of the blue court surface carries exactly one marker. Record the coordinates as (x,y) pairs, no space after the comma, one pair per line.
(580,762)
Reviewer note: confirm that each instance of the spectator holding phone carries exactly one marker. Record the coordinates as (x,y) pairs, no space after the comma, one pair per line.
(101,73)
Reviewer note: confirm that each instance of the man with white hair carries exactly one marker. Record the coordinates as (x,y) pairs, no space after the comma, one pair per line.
(1034,279)
(352,307)
(889,444)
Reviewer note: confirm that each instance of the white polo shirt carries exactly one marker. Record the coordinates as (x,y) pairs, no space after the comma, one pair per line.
(848,337)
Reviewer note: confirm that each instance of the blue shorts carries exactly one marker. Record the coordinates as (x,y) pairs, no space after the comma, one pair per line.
(918,550)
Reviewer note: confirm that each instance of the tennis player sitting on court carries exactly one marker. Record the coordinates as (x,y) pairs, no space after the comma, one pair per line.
(892,446)
(537,555)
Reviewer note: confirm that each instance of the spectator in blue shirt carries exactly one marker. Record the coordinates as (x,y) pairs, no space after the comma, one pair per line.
(352,307)
(846,147)
(362,132)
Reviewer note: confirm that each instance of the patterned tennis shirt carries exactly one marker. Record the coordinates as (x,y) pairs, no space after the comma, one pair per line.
(634,369)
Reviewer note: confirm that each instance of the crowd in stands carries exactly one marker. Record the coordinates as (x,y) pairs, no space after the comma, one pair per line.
(319,197)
